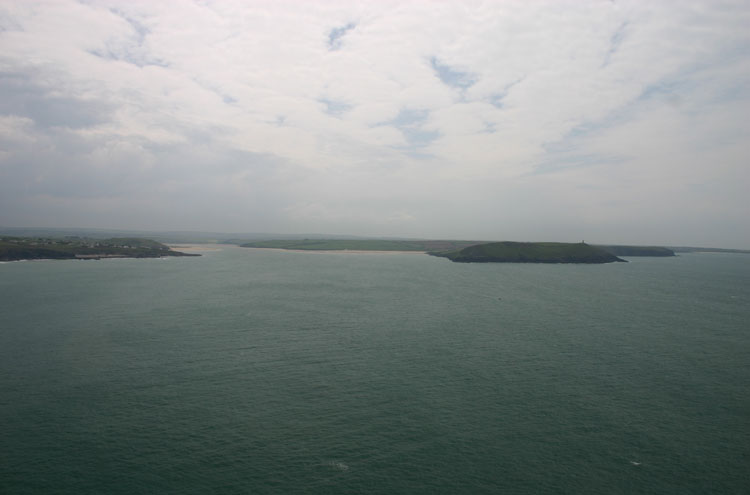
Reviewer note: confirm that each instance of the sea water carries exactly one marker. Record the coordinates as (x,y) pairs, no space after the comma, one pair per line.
(260,371)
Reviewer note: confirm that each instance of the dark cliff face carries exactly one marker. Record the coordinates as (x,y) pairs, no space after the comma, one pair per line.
(531,252)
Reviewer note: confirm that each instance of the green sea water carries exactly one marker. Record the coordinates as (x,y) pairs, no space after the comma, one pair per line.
(256,371)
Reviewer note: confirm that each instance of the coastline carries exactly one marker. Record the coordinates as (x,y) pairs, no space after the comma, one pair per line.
(338,251)
(195,247)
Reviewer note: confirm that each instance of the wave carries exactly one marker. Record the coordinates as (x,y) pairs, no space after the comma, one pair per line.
(340,466)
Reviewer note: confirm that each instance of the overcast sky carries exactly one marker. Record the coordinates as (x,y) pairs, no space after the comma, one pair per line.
(609,121)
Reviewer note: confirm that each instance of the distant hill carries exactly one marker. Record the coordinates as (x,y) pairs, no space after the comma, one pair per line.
(638,250)
(529,252)
(133,242)
(171,237)
(686,249)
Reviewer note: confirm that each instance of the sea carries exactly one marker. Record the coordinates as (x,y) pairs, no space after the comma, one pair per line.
(272,372)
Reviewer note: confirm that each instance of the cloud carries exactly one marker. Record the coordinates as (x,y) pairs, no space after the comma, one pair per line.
(21,97)
(448,119)
(452,77)
(335,36)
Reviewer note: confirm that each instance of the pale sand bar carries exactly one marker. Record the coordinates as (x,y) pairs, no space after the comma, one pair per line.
(195,247)
(339,251)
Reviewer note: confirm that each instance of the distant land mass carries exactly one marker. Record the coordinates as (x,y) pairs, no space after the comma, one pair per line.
(167,237)
(638,250)
(360,245)
(462,251)
(240,238)
(530,252)
(687,249)
(72,247)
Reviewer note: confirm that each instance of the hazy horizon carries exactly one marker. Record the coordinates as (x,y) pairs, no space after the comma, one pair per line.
(611,122)
(176,237)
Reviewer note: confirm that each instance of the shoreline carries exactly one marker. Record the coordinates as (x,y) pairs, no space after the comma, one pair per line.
(337,251)
(195,247)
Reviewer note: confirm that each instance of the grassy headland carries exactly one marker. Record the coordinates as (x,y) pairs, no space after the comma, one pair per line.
(529,252)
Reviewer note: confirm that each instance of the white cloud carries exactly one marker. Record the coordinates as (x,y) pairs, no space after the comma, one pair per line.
(583,106)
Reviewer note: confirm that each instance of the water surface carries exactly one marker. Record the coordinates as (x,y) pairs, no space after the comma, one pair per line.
(255,371)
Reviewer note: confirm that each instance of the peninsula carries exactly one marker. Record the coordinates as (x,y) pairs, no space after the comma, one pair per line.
(530,252)
(30,248)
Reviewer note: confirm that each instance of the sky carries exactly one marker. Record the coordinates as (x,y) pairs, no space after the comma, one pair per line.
(605,121)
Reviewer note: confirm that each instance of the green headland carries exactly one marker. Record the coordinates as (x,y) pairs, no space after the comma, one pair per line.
(530,252)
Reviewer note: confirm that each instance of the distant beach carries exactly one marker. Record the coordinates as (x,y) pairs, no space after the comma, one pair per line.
(195,247)
(339,251)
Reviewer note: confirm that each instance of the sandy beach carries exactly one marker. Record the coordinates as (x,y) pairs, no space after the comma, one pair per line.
(193,248)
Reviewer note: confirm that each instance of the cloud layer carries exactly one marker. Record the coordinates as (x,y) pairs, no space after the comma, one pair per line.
(609,121)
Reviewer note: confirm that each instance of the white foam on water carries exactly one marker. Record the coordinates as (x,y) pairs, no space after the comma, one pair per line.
(338,465)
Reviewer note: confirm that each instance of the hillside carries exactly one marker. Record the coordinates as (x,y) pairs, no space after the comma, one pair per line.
(529,252)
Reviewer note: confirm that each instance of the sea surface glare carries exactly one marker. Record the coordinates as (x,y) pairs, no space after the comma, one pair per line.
(270,372)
